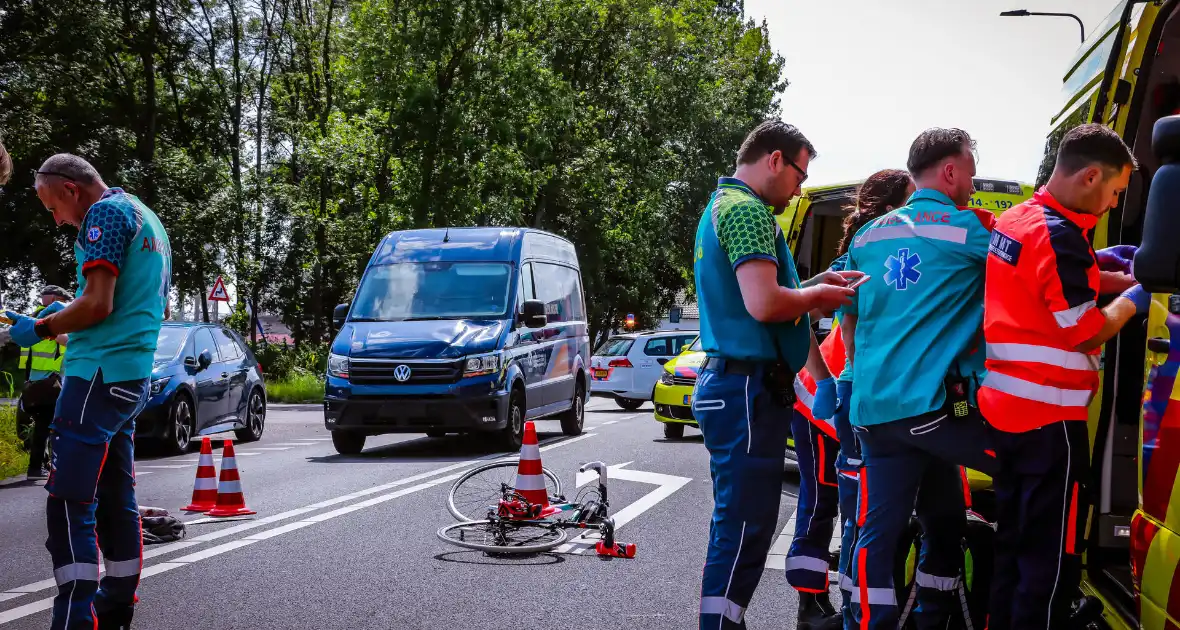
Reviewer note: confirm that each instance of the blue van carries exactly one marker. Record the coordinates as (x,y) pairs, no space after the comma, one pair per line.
(460,331)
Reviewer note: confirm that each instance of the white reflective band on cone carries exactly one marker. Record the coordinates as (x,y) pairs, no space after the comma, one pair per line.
(947,233)
(877,596)
(530,482)
(1071,316)
(530,452)
(122,568)
(724,607)
(805,563)
(205,483)
(229,487)
(76,571)
(1043,354)
(803,395)
(1033,391)
(926,580)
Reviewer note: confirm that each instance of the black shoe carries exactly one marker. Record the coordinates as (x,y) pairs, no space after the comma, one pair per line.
(816,613)
(37,474)
(1086,611)
(117,619)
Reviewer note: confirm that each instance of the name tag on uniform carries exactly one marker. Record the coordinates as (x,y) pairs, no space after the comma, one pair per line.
(1005,247)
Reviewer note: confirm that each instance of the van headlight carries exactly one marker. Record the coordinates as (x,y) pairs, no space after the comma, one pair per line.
(482,364)
(666,379)
(338,365)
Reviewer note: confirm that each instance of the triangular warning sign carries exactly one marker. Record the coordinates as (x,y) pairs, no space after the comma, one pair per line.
(218,294)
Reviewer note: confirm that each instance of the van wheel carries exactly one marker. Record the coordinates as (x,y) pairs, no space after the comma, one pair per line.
(348,442)
(513,432)
(673,431)
(572,420)
(630,404)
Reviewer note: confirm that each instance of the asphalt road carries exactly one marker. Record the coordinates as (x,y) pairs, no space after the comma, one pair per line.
(349,542)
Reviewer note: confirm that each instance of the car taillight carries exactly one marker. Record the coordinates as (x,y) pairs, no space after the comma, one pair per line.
(623,362)
(260,368)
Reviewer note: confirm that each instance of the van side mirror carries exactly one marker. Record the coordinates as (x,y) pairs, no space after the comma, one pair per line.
(339,314)
(532,314)
(1157,264)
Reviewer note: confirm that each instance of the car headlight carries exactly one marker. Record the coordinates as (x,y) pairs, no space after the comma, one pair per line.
(338,365)
(159,384)
(666,378)
(482,364)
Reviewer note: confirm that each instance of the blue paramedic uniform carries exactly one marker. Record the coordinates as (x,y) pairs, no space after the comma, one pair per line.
(918,315)
(744,425)
(92,482)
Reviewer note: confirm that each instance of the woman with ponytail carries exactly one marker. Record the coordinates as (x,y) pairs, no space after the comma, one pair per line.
(829,458)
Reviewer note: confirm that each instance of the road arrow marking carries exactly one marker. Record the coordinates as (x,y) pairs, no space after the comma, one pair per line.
(667,485)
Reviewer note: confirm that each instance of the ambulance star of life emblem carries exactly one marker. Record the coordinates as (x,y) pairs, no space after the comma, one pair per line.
(93,234)
(902,269)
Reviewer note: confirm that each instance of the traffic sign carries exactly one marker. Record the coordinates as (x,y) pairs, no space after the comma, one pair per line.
(218,294)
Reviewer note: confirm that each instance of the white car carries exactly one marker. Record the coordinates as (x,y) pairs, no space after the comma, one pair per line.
(627,367)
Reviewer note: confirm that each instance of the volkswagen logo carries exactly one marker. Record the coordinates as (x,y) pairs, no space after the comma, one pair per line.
(401,373)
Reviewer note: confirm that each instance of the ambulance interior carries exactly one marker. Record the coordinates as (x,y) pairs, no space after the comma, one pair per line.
(1116,448)
(823,228)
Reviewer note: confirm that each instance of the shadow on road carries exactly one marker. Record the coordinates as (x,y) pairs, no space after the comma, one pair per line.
(452,448)
(698,439)
(479,557)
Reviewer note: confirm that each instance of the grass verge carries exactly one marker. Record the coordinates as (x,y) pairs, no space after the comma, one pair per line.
(297,388)
(13,458)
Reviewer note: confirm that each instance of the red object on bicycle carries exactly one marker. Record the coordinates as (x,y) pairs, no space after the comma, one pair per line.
(619,550)
(530,481)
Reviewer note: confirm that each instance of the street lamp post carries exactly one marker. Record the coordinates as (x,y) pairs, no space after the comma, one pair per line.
(1024,13)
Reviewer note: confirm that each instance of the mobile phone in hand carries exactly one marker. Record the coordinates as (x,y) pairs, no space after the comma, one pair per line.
(859,281)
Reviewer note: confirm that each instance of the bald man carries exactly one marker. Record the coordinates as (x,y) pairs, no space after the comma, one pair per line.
(124,276)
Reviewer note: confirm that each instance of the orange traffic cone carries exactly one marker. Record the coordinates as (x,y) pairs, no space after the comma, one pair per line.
(230,501)
(530,481)
(205,485)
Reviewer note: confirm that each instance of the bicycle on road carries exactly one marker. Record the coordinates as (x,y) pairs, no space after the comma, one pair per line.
(496,519)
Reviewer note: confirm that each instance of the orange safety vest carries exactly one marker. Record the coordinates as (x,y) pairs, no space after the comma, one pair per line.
(1040,303)
(832,350)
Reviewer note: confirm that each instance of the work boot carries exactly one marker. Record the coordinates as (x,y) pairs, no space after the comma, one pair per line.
(116,619)
(816,613)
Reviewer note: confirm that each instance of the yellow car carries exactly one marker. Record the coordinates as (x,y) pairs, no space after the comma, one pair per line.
(673,395)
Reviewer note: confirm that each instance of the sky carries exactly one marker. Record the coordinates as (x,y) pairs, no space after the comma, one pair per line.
(866,76)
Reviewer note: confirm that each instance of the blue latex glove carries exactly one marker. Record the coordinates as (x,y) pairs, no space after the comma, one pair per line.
(1117,258)
(843,394)
(1140,297)
(824,406)
(51,309)
(22,329)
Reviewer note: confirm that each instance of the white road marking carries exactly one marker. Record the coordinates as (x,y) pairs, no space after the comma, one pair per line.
(294,443)
(271,448)
(608,422)
(47,603)
(140,474)
(667,485)
(245,453)
(139,466)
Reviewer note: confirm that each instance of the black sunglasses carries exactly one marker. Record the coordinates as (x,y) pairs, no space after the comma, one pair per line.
(795,166)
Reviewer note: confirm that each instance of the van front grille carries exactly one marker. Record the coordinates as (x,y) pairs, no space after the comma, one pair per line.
(384,372)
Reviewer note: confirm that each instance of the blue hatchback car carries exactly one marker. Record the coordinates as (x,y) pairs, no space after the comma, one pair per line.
(205,380)
(460,331)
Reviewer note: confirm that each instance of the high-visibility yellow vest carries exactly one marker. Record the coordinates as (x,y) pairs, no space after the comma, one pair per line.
(45,355)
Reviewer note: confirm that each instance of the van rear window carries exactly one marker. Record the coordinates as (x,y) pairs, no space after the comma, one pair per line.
(615,347)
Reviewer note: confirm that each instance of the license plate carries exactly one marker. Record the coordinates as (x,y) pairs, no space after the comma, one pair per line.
(687,400)
(601,375)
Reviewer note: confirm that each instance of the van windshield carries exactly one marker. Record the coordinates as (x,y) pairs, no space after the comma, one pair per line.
(433,290)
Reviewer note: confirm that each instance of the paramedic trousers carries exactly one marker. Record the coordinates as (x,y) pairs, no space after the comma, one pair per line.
(1041,510)
(913,465)
(848,465)
(92,500)
(808,559)
(745,430)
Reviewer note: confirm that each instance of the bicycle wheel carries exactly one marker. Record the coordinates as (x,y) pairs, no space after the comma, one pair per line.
(504,537)
(481,489)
